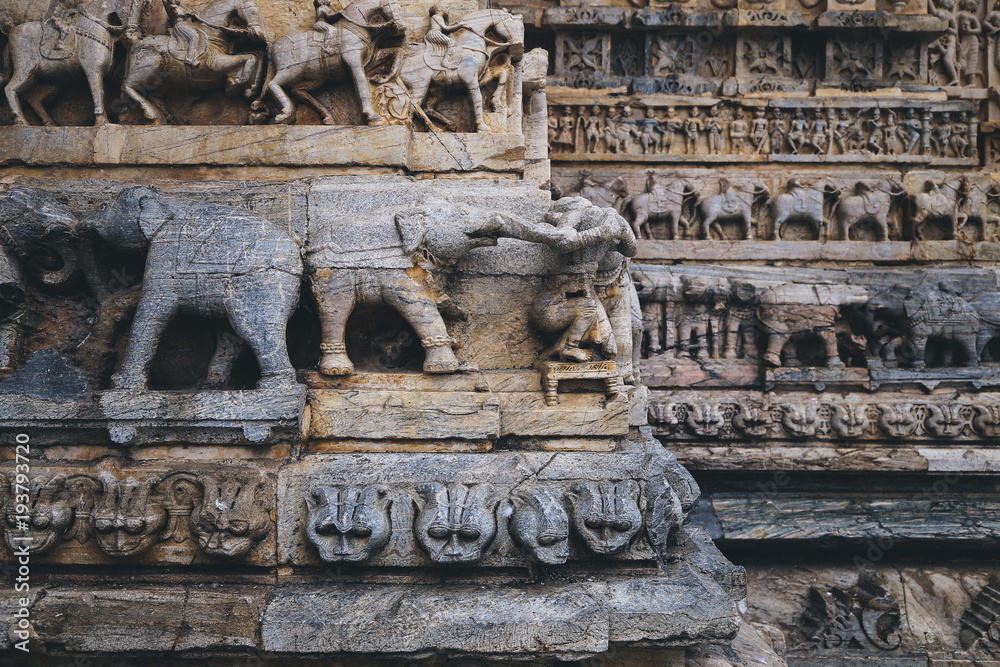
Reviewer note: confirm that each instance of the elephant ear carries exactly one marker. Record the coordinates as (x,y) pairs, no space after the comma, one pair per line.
(153,212)
(413,226)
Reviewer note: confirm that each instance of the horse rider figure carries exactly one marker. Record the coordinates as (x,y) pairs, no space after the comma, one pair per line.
(438,38)
(182,24)
(326,16)
(63,18)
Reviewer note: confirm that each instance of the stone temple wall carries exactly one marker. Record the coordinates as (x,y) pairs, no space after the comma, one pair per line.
(319,341)
(814,189)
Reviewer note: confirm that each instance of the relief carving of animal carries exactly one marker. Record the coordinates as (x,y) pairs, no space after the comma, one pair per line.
(456,523)
(938,201)
(799,203)
(127,517)
(232,517)
(866,205)
(730,204)
(540,525)
(606,515)
(660,203)
(348,523)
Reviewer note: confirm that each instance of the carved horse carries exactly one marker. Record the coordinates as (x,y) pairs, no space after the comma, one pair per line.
(937,201)
(606,194)
(37,57)
(303,61)
(867,204)
(659,203)
(420,66)
(157,62)
(729,204)
(803,203)
(978,204)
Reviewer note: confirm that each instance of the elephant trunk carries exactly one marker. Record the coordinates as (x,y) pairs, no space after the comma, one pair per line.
(68,258)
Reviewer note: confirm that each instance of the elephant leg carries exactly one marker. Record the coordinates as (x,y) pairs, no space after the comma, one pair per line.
(157,306)
(970,348)
(779,223)
(259,314)
(335,294)
(919,341)
(684,331)
(732,330)
(227,350)
(419,308)
(982,340)
(829,339)
(775,344)
(748,226)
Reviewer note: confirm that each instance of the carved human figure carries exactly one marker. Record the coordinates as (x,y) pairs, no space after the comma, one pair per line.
(991,25)
(670,126)
(182,23)
(758,131)
(738,131)
(692,130)
(713,127)
(348,523)
(606,515)
(569,304)
(392,256)
(941,137)
(797,133)
(232,517)
(439,35)
(62,18)
(564,141)
(969,34)
(876,133)
(649,131)
(944,50)
(127,517)
(204,259)
(777,131)
(959,135)
(909,131)
(540,526)
(457,522)
(594,129)
(836,129)
(891,133)
(817,132)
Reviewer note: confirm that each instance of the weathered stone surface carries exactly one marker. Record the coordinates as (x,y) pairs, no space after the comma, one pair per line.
(148,618)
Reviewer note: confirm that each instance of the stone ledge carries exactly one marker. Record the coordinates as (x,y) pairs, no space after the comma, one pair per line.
(270,145)
(849,251)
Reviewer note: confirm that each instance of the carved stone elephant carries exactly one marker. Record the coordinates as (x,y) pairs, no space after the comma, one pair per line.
(987,305)
(932,312)
(38,237)
(389,256)
(203,259)
(792,309)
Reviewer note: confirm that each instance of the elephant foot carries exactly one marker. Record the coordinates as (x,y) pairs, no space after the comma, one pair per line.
(918,363)
(121,381)
(279,380)
(772,359)
(329,121)
(377,121)
(835,362)
(440,360)
(336,363)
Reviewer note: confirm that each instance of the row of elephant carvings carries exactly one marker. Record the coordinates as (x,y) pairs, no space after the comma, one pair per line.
(228,515)
(903,325)
(218,261)
(457,523)
(228,46)
(678,418)
(831,209)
